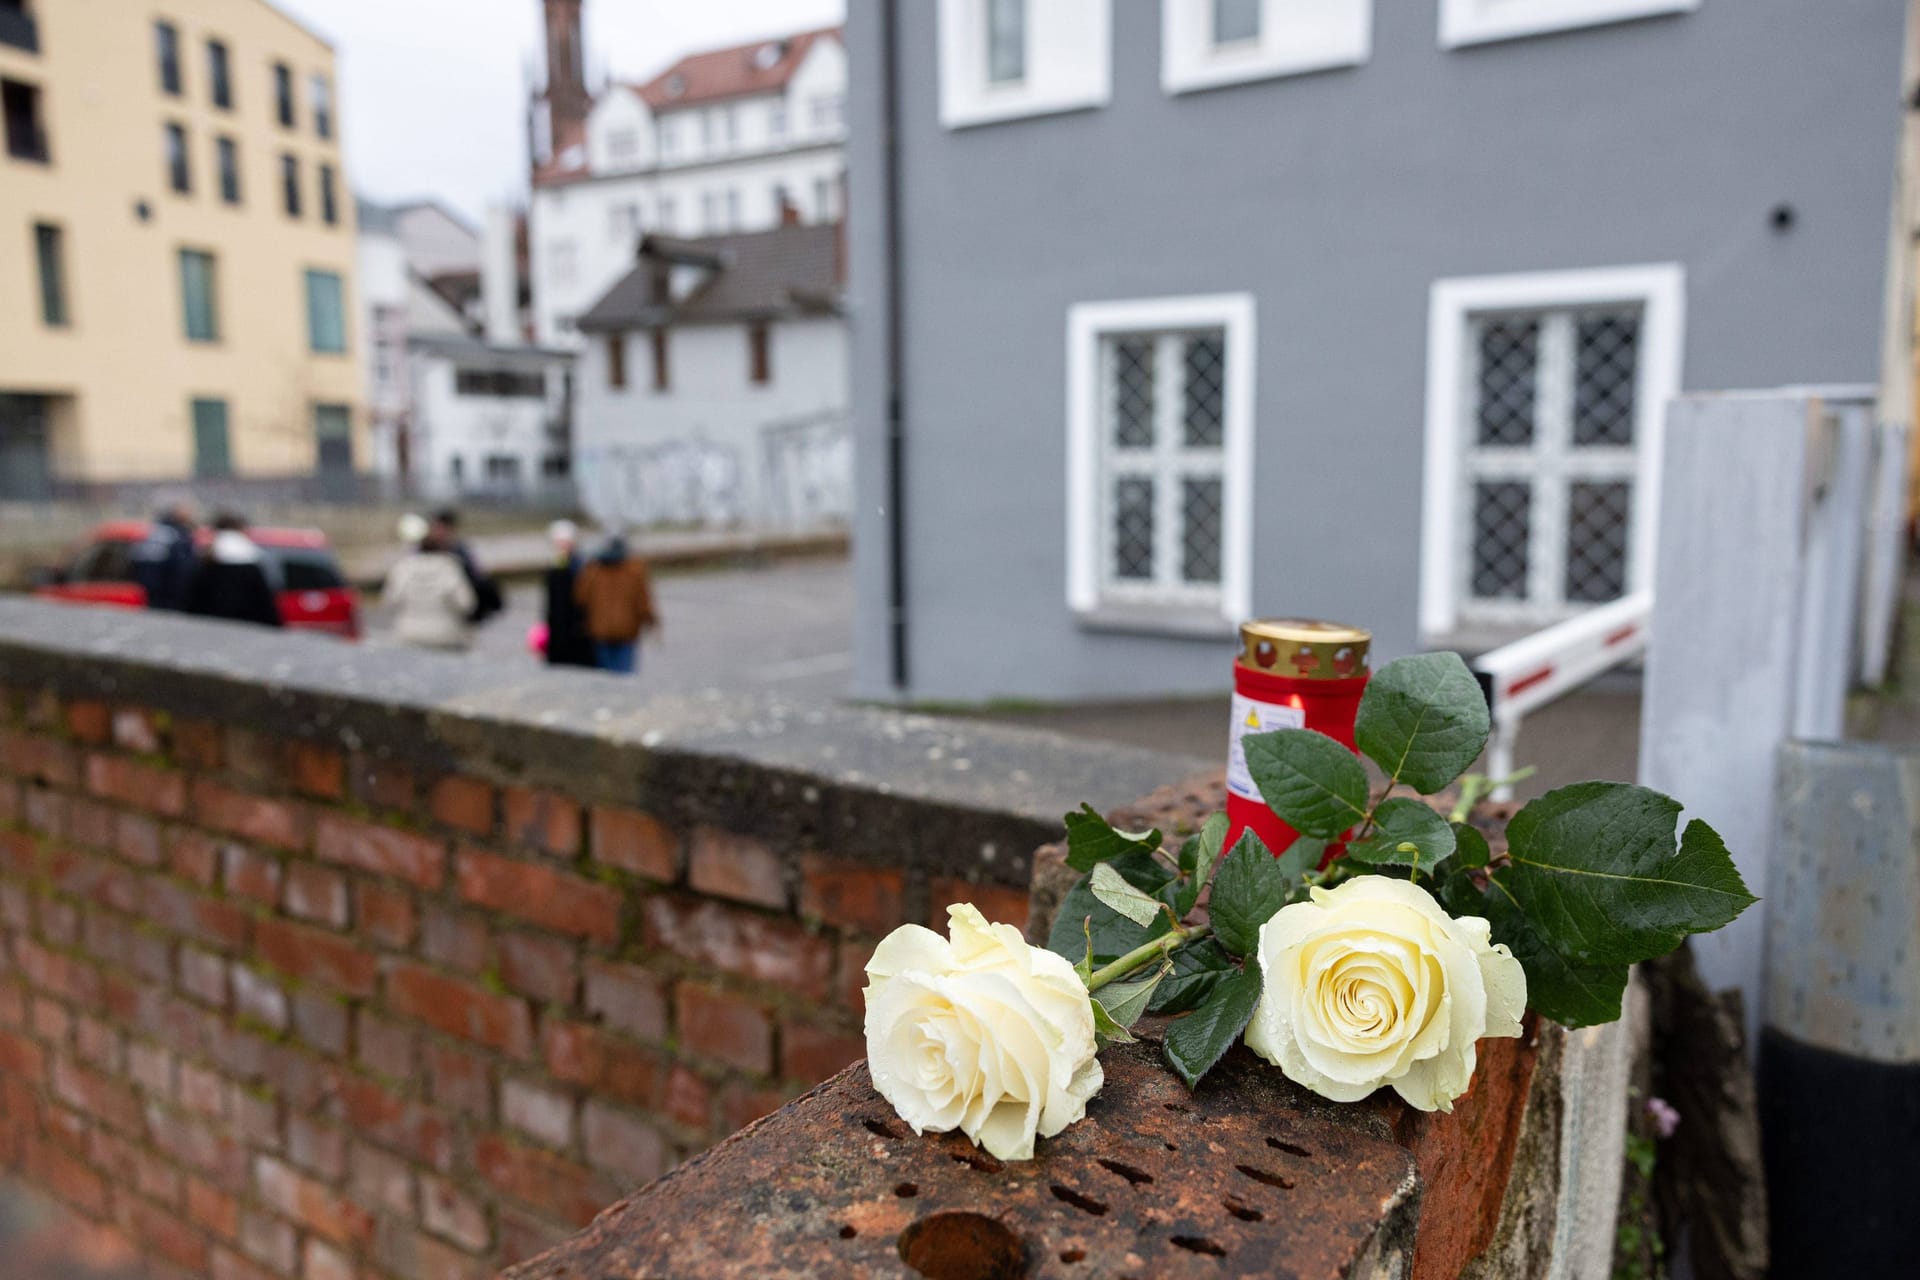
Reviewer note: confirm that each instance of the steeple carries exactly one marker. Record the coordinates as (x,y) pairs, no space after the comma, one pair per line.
(561,109)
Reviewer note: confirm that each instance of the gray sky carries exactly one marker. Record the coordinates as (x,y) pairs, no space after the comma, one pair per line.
(432,91)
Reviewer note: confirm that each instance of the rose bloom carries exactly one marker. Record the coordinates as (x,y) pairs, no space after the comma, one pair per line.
(1370,983)
(980,1033)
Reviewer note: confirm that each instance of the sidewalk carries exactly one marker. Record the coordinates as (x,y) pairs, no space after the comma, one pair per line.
(514,555)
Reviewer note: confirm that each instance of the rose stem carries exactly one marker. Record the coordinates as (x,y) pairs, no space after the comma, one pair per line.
(1144,953)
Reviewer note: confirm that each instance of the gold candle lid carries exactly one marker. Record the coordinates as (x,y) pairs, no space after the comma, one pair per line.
(1304,648)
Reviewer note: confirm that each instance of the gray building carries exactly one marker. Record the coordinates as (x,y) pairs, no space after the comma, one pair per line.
(1168,314)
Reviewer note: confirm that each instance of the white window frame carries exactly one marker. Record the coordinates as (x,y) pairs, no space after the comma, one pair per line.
(1658,289)
(1296,37)
(1470,22)
(1069,62)
(1089,324)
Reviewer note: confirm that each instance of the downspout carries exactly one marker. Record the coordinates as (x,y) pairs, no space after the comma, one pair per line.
(896,394)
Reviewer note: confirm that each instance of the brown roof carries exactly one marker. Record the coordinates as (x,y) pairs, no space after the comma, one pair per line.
(763,66)
(789,270)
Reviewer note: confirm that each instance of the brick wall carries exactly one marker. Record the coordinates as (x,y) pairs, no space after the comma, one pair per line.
(297,1006)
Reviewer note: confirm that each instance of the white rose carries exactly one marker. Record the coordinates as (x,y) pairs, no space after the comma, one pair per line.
(980,1033)
(1371,983)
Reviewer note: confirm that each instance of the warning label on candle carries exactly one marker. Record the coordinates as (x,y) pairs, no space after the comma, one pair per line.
(1250,716)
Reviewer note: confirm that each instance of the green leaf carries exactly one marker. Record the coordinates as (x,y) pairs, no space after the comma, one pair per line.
(1091,839)
(1124,1002)
(1406,833)
(1572,993)
(1199,1040)
(1197,969)
(1197,857)
(1423,720)
(1110,934)
(1317,786)
(1470,845)
(1111,888)
(1251,887)
(1107,1029)
(1595,870)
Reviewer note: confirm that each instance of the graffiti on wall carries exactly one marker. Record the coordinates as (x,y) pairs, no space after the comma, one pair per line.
(800,473)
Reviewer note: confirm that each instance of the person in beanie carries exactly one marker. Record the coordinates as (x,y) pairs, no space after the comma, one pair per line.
(229,581)
(568,644)
(617,599)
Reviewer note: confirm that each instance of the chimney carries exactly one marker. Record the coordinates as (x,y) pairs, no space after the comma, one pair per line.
(499,277)
(566,92)
(789,211)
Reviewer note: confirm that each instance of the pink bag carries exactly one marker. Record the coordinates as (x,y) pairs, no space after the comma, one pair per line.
(537,638)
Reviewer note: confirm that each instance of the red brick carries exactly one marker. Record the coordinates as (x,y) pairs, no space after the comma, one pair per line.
(386,851)
(107,1100)
(89,822)
(317,894)
(98,1044)
(321,1021)
(252,875)
(317,771)
(256,1120)
(385,1046)
(498,1022)
(811,1054)
(202,1091)
(193,855)
(453,939)
(452,1215)
(852,895)
(45,811)
(539,966)
(213,1209)
(69,1179)
(635,841)
(622,1143)
(140,785)
(203,975)
(578,1054)
(59,922)
(729,865)
(742,1104)
(196,744)
(571,1192)
(317,1147)
(321,1261)
(377,1116)
(51,1022)
(545,820)
(258,997)
(402,1251)
(310,1203)
(137,730)
(171,905)
(542,1114)
(627,998)
(13,1007)
(382,784)
(33,758)
(525,1235)
(998,903)
(162,1233)
(316,956)
(561,902)
(688,1099)
(21,1058)
(252,817)
(98,880)
(380,1181)
(62,975)
(466,803)
(270,1240)
(715,936)
(91,722)
(199,1146)
(256,756)
(725,1027)
(137,839)
(384,914)
(460,1081)
(19,853)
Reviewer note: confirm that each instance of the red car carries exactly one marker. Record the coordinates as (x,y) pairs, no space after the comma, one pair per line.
(300,567)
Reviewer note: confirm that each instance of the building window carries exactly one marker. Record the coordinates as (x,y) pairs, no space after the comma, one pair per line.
(326,313)
(500,384)
(283,94)
(617,360)
(290,184)
(662,375)
(667,137)
(179,172)
(1160,426)
(623,145)
(166,47)
(1465,22)
(322,90)
(710,212)
(777,120)
(198,296)
(219,77)
(823,199)
(212,456)
(17,27)
(623,222)
(560,260)
(26,134)
(1208,43)
(49,252)
(829,109)
(1547,397)
(333,439)
(667,212)
(759,354)
(228,152)
(733,210)
(1006,41)
(729,128)
(329,206)
(1002,59)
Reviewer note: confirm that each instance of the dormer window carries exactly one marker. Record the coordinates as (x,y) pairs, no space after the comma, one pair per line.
(767,56)
(676,85)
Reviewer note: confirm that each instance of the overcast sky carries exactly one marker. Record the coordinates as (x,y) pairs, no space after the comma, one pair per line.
(433,91)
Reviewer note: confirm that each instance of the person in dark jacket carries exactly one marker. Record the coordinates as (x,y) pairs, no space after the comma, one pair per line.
(163,561)
(445,532)
(229,581)
(568,644)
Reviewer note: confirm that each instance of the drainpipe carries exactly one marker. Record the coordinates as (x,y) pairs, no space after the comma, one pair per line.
(896,393)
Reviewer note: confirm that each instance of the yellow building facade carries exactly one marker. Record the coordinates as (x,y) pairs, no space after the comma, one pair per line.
(176,248)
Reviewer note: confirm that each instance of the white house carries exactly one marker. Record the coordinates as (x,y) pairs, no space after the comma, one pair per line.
(723,142)
(713,384)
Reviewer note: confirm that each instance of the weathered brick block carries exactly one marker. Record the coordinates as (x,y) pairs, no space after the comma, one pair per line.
(251,874)
(719,1025)
(635,841)
(142,786)
(384,914)
(575,1053)
(193,855)
(539,966)
(318,771)
(852,895)
(745,943)
(138,840)
(202,1091)
(228,1265)
(742,1104)
(196,744)
(569,1191)
(729,865)
(281,823)
(812,1054)
(321,1261)
(172,905)
(270,1241)
(151,1068)
(258,997)
(386,1046)
(998,903)
(545,1115)
(313,955)
(453,1215)
(466,803)
(403,1251)
(161,1233)
(104,1098)
(559,901)
(453,939)
(382,784)
(99,1044)
(627,998)
(51,1022)
(137,730)
(57,973)
(687,1099)
(368,846)
(91,722)
(316,1146)
(321,1021)
(499,1022)
(69,1178)
(309,1203)
(379,1181)
(546,820)
(21,1058)
(203,975)
(622,1143)
(59,922)
(212,1209)
(317,894)
(33,758)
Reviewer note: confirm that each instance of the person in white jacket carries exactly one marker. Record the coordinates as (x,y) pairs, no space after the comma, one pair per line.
(428,591)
